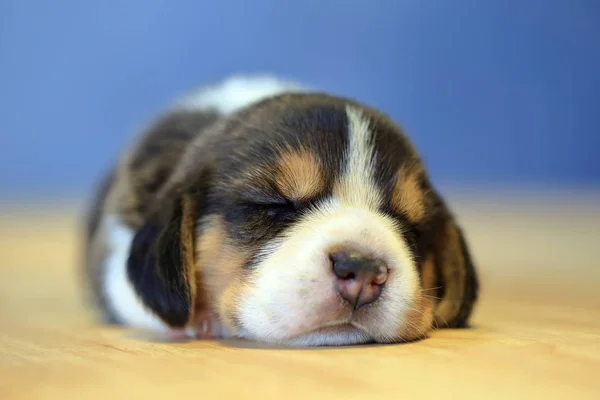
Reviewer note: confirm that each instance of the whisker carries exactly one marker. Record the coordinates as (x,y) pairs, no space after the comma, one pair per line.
(413,325)
(437,326)
(433,288)
(445,321)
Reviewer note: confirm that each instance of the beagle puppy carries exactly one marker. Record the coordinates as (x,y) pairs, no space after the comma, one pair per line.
(260,209)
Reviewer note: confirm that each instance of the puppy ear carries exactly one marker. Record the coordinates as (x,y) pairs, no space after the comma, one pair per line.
(161,261)
(456,275)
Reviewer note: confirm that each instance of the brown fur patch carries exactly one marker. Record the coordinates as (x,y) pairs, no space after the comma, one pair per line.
(219,269)
(408,197)
(230,304)
(299,175)
(453,273)
(188,227)
(428,275)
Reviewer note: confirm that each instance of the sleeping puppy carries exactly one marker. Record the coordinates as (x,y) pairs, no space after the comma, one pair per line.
(261,210)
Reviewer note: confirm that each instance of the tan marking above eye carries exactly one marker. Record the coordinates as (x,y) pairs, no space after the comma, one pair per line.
(407,196)
(299,175)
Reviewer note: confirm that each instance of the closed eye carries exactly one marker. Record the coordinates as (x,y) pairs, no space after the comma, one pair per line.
(276,204)
(274,209)
(270,206)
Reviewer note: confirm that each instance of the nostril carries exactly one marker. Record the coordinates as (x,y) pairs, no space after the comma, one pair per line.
(354,266)
(350,276)
(347,266)
(360,278)
(381,277)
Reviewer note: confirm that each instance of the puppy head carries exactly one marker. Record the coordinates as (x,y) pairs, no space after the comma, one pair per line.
(304,220)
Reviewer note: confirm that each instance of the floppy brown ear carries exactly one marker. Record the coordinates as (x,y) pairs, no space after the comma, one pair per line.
(161,261)
(455,273)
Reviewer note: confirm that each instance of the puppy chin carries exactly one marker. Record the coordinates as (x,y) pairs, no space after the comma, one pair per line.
(338,335)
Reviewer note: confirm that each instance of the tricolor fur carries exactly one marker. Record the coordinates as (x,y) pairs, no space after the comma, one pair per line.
(224,217)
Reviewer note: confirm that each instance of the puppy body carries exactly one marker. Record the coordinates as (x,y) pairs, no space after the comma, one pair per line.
(225,215)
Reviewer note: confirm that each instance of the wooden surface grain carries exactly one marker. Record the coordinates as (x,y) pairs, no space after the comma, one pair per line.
(536,330)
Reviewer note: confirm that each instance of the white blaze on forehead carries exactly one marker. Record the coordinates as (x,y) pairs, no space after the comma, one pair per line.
(357,184)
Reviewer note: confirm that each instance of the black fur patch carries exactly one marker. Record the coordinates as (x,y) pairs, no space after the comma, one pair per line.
(156,271)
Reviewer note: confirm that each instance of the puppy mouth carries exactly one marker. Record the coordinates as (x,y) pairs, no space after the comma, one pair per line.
(347,321)
(337,328)
(340,334)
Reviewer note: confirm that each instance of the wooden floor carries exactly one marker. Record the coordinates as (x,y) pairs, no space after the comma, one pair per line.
(536,334)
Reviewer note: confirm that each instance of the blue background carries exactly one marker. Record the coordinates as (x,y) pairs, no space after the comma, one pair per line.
(495,93)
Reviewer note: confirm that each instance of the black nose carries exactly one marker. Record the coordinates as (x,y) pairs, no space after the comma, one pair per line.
(360,278)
